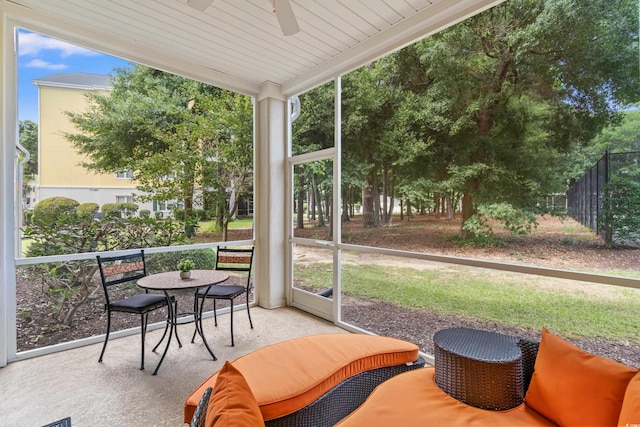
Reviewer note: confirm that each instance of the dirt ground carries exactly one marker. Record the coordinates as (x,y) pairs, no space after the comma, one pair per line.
(555,243)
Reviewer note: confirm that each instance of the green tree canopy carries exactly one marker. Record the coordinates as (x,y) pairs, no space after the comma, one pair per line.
(489,109)
(28,131)
(513,88)
(619,137)
(171,132)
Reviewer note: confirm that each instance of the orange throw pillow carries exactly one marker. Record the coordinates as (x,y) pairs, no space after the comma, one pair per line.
(630,412)
(232,403)
(574,388)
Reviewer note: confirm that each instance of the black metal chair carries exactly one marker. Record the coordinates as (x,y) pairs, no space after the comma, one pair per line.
(118,273)
(229,259)
(200,415)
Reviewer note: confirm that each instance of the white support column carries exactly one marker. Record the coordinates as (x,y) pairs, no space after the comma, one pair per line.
(270,196)
(8,135)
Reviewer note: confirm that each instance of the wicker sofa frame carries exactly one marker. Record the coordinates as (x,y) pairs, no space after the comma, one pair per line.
(346,397)
(342,399)
(529,353)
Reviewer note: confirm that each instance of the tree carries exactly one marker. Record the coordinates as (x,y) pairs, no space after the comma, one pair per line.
(28,131)
(378,135)
(619,137)
(170,131)
(313,130)
(514,91)
(230,171)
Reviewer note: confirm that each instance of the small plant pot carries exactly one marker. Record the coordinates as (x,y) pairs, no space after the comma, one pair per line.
(185,274)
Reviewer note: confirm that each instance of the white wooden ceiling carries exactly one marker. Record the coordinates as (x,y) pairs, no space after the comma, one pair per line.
(238,44)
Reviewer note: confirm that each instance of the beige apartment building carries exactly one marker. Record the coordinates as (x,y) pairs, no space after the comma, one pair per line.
(59,168)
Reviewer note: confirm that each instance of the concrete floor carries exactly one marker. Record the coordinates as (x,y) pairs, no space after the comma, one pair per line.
(73,384)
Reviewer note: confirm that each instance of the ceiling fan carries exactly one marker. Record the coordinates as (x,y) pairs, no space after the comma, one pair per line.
(281,8)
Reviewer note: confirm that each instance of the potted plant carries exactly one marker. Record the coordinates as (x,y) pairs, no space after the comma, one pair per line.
(185,266)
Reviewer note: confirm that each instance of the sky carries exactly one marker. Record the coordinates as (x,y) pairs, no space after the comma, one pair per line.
(40,56)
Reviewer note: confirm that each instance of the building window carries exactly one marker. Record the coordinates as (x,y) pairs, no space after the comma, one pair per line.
(124,199)
(126,174)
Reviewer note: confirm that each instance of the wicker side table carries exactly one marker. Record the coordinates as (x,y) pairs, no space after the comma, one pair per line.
(480,368)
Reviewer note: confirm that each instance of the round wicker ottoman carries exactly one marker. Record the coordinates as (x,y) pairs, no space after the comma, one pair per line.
(480,368)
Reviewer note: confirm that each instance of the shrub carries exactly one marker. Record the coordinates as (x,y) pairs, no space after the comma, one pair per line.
(178,214)
(70,284)
(118,210)
(128,208)
(518,221)
(619,220)
(167,261)
(111,210)
(145,213)
(201,214)
(54,210)
(28,217)
(87,209)
(158,214)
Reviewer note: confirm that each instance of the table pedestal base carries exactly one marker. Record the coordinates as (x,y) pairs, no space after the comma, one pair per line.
(174,321)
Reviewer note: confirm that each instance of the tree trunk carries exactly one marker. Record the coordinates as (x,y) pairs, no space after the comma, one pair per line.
(345,206)
(368,215)
(352,205)
(313,201)
(392,196)
(385,194)
(328,208)
(376,201)
(189,229)
(329,211)
(225,228)
(318,202)
(450,208)
(300,213)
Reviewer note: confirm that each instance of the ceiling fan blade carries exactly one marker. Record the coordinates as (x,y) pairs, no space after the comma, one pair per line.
(200,5)
(286,17)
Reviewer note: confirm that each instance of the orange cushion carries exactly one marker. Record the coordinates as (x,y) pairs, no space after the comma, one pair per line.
(303,369)
(630,412)
(414,399)
(232,403)
(576,388)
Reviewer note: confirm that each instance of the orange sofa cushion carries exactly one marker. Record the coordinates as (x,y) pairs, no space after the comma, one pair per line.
(630,412)
(574,388)
(414,399)
(288,376)
(232,403)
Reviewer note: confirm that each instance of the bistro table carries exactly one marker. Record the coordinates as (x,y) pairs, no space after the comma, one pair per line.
(169,282)
(480,368)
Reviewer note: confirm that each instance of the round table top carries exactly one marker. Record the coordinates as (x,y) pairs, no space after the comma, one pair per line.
(171,281)
(478,345)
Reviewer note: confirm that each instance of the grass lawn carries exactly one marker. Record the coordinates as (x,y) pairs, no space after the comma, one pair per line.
(210,226)
(518,300)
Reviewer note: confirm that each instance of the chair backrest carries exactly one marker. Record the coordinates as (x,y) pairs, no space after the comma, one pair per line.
(120,269)
(235,259)
(200,415)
